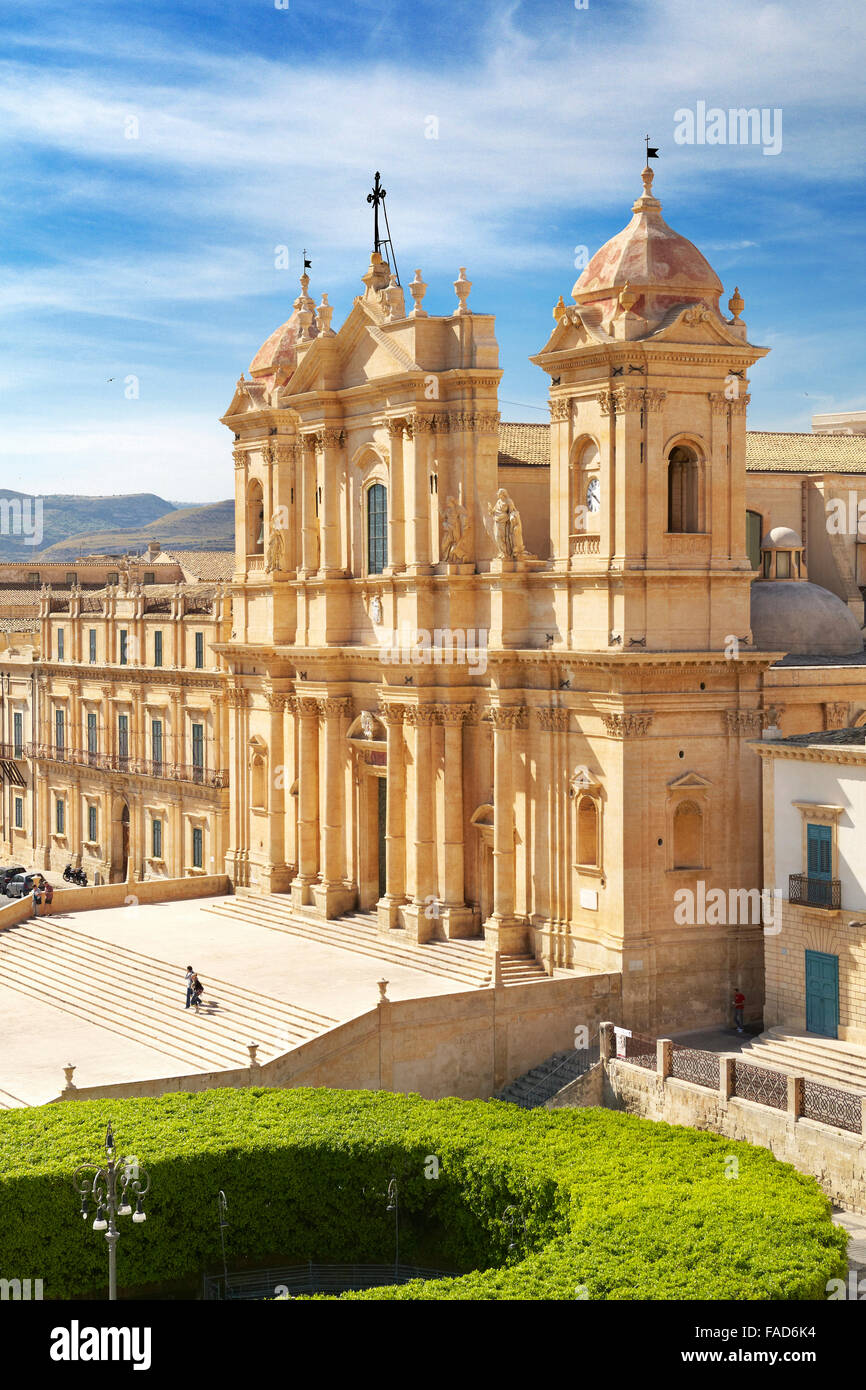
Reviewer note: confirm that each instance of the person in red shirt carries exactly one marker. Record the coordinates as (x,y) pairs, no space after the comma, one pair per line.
(739,1005)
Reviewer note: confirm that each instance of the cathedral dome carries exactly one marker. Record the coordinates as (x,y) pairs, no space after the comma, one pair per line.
(803,619)
(660,267)
(279,354)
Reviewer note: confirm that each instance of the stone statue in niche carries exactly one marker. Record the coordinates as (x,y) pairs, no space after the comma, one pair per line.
(455,524)
(507,528)
(276,550)
(376,608)
(368,728)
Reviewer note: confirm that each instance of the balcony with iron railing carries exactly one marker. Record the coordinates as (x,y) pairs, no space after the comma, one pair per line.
(217,778)
(815,892)
(15,751)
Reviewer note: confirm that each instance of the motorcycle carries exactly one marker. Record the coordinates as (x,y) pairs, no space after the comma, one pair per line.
(69,874)
(77,876)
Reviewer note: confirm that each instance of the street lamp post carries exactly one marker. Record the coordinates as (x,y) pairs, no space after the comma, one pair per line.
(111,1187)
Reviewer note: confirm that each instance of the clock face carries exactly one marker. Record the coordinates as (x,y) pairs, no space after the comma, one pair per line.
(593,495)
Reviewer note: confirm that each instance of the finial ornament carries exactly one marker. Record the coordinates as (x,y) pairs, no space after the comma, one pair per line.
(647,177)
(736,303)
(418,289)
(627,297)
(462,286)
(324,314)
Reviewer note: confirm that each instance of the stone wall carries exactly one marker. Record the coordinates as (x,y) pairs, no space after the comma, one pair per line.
(468,1044)
(833,1156)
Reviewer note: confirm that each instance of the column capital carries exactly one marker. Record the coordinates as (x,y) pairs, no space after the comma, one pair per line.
(393,715)
(331,707)
(506,716)
(627,725)
(455,714)
(420,715)
(552,717)
(307,707)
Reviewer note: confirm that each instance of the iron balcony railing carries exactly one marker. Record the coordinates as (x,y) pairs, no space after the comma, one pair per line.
(12,750)
(133,767)
(815,892)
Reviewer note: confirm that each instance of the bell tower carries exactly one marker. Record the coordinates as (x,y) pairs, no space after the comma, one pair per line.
(648,442)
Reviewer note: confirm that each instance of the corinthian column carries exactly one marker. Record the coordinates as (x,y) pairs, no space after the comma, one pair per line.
(503,930)
(421,914)
(307,480)
(419,553)
(388,908)
(332,896)
(308,802)
(330,441)
(456,917)
(396,519)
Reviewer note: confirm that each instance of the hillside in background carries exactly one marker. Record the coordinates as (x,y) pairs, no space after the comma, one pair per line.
(65,515)
(211,527)
(73,526)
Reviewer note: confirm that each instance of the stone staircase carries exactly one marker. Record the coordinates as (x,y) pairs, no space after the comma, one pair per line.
(798,1053)
(541,1084)
(142,999)
(10,1102)
(466,962)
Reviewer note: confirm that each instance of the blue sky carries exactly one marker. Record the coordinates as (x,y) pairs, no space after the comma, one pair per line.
(257,126)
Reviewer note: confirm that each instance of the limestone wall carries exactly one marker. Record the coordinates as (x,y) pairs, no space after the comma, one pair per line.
(156,890)
(467,1045)
(833,1156)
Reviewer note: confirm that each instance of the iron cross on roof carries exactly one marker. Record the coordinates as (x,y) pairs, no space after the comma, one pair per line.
(376,197)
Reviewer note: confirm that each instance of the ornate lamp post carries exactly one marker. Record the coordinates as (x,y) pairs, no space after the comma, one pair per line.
(394,1206)
(111,1187)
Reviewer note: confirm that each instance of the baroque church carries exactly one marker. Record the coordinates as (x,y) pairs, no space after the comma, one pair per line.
(512,692)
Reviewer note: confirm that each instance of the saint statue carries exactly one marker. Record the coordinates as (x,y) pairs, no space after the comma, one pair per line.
(455,522)
(276,549)
(507,528)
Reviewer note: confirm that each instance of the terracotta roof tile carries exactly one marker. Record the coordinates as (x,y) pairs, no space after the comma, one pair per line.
(210,565)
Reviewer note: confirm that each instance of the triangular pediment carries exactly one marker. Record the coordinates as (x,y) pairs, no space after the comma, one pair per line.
(572,330)
(366,350)
(689,781)
(248,396)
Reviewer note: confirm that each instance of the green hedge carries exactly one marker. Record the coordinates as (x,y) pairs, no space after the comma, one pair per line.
(620,1207)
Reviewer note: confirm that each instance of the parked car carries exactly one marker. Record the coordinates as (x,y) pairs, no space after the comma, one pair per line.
(6,874)
(22,884)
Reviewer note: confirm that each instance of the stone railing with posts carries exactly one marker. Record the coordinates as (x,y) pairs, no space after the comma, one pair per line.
(731,1076)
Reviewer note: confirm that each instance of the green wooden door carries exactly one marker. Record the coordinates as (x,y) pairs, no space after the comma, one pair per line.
(822,993)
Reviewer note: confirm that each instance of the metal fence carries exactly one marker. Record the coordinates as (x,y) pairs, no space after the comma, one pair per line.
(757,1083)
(312,1278)
(693,1064)
(641,1052)
(831,1107)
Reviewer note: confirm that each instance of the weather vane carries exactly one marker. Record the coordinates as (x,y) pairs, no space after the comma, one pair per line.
(377,198)
(308,265)
(651,150)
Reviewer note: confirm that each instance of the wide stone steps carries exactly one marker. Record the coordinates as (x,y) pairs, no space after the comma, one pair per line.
(826,1060)
(464,962)
(10,1102)
(142,999)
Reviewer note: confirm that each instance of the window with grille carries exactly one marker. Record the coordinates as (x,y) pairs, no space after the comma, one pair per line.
(377,529)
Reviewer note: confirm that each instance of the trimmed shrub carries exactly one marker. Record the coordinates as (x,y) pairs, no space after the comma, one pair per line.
(608,1206)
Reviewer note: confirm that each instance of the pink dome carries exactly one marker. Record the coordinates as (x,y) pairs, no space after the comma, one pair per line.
(661,267)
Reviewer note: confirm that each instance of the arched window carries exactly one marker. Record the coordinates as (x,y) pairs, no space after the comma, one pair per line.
(688,836)
(682,489)
(377,528)
(255,520)
(587,831)
(258,774)
(586,489)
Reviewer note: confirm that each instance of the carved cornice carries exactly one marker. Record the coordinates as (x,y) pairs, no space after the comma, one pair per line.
(483,421)
(423,424)
(627,725)
(552,717)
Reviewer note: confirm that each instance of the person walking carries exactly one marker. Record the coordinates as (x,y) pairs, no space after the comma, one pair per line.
(36,898)
(189,977)
(197,991)
(739,1006)
(47,897)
